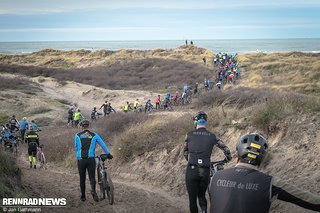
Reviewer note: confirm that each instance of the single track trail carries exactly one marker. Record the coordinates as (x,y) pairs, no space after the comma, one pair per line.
(59,182)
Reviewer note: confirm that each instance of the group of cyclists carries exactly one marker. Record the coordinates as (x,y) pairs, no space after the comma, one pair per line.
(228,68)
(15,132)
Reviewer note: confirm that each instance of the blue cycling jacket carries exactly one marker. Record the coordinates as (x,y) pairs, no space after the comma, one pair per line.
(23,125)
(85,143)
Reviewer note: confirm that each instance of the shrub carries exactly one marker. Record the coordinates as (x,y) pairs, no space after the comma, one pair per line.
(154,134)
(3,118)
(40,110)
(10,176)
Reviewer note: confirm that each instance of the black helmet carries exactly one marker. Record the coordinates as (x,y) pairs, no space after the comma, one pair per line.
(84,123)
(200,115)
(252,148)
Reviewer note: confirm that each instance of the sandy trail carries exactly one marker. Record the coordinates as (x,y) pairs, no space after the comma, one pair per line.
(57,182)
(87,96)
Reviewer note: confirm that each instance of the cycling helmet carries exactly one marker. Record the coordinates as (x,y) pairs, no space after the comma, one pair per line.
(200,115)
(24,118)
(84,123)
(252,148)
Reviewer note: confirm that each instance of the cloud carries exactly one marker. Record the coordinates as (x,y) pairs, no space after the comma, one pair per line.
(83,30)
(27,7)
(262,26)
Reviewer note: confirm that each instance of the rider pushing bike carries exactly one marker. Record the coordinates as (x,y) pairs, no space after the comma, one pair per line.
(197,151)
(85,144)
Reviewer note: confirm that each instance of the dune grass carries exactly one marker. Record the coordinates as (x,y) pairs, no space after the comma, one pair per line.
(151,73)
(10,176)
(294,71)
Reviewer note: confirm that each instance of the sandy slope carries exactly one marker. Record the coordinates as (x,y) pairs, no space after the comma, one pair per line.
(87,96)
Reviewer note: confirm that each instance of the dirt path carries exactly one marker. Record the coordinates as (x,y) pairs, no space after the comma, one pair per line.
(57,182)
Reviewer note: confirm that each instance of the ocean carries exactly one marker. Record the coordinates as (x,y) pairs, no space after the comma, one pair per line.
(229,46)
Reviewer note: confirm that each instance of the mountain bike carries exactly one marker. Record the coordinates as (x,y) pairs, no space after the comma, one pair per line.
(214,167)
(41,157)
(11,145)
(104,179)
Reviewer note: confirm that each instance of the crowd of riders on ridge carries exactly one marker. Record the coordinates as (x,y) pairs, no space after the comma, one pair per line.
(227,71)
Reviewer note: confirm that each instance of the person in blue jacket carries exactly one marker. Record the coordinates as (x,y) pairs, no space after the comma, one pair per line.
(23,125)
(85,143)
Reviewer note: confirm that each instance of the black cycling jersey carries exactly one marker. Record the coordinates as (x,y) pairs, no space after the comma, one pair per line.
(32,139)
(243,189)
(197,150)
(198,147)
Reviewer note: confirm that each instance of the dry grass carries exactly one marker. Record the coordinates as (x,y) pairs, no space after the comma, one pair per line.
(156,133)
(84,58)
(286,71)
(263,109)
(129,74)
(17,83)
(10,176)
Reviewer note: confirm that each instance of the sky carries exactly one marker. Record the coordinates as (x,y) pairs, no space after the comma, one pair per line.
(92,20)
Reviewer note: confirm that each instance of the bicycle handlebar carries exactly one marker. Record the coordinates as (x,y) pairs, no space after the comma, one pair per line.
(221,162)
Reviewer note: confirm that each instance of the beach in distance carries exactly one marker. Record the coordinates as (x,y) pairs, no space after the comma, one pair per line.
(228,45)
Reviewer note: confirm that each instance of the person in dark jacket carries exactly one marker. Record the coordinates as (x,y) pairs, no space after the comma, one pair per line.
(243,189)
(197,151)
(32,139)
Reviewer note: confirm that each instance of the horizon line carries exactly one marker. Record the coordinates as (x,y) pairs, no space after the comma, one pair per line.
(133,40)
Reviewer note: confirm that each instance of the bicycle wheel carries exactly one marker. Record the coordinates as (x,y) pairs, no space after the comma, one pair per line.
(102,183)
(16,150)
(109,188)
(43,162)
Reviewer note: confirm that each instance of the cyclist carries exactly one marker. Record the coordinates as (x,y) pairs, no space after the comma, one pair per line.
(127,107)
(158,102)
(218,85)
(195,91)
(136,104)
(109,109)
(197,151)
(104,106)
(148,107)
(243,189)
(32,139)
(14,124)
(94,114)
(70,116)
(85,144)
(23,126)
(7,136)
(77,117)
(34,126)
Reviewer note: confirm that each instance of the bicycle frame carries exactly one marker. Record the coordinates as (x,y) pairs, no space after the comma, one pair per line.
(41,158)
(104,180)
(214,167)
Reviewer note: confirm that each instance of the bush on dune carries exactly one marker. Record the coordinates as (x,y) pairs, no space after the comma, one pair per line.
(154,134)
(10,176)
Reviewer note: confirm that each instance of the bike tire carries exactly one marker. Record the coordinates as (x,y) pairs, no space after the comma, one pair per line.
(102,184)
(43,161)
(16,151)
(109,188)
